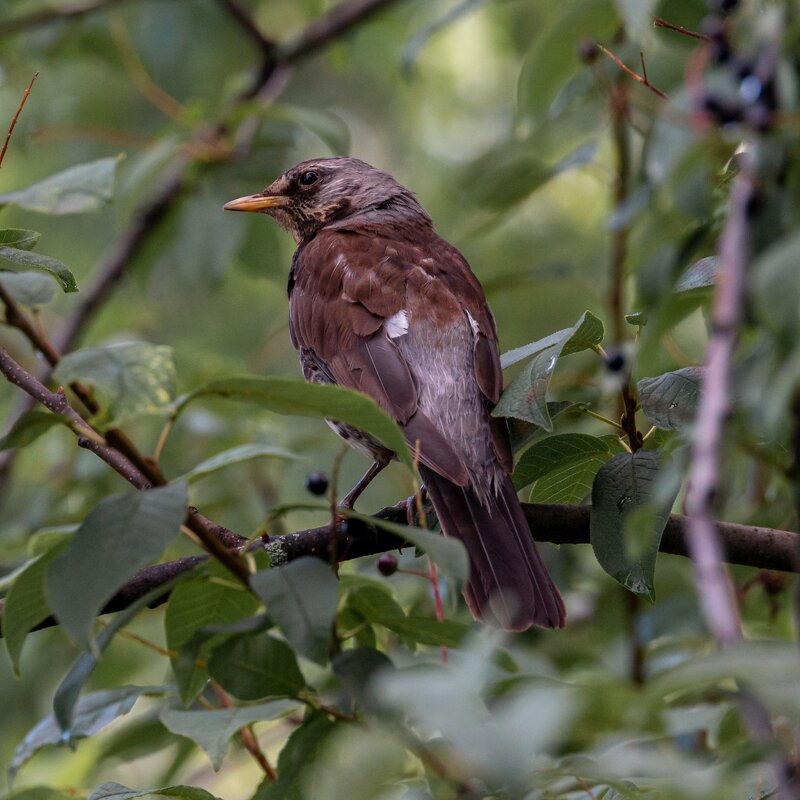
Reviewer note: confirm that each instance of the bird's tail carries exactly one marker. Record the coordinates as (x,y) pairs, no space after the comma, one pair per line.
(509,585)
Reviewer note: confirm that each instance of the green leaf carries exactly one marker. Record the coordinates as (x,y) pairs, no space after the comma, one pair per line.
(425,630)
(116,791)
(449,554)
(512,171)
(26,604)
(526,397)
(357,667)
(768,667)
(65,699)
(201,252)
(28,428)
(196,603)
(301,598)
(670,400)
(638,15)
(629,513)
(521,432)
(17,260)
(129,379)
(702,275)
(92,713)
(555,55)
(374,603)
(776,282)
(212,730)
(86,187)
(378,607)
(288,396)
(20,238)
(120,535)
(637,319)
(562,466)
(301,751)
(28,288)
(237,455)
(252,667)
(328,127)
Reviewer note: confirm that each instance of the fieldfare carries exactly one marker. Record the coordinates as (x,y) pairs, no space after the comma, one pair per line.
(378,302)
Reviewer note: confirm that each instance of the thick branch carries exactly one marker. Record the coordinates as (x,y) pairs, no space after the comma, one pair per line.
(717,600)
(748,545)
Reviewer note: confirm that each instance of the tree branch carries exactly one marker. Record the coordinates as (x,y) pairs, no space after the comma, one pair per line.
(242,17)
(89,438)
(330,26)
(152,211)
(748,545)
(716,597)
(46,16)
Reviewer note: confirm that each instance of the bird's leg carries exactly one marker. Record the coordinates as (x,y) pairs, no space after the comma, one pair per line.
(348,501)
(413,508)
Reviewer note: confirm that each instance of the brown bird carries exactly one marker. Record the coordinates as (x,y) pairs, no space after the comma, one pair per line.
(378,302)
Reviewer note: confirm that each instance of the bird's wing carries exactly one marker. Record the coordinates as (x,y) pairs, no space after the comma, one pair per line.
(348,301)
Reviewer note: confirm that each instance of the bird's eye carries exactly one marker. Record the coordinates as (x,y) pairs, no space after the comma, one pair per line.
(307,178)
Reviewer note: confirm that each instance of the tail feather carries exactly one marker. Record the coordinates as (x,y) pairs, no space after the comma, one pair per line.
(508,584)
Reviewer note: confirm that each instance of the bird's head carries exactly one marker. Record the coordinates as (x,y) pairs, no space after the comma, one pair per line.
(333,191)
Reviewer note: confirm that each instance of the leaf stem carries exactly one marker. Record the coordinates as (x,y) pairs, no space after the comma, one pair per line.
(600,417)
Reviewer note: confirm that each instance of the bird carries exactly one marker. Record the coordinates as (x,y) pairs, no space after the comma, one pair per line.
(380,303)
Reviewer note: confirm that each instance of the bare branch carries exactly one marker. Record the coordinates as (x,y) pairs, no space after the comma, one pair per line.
(45,16)
(330,26)
(717,600)
(658,22)
(241,16)
(92,440)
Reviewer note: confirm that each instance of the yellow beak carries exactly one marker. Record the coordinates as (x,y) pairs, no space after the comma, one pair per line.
(256,202)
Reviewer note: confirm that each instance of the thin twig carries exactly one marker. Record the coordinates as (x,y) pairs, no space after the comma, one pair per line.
(137,71)
(638,78)
(658,22)
(246,735)
(16,117)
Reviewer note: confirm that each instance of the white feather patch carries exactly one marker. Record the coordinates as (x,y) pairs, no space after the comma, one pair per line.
(474,325)
(396,325)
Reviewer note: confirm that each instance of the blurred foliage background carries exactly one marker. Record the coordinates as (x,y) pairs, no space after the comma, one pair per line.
(549,168)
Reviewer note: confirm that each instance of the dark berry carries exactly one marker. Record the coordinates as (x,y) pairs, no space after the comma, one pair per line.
(615,361)
(724,6)
(317,483)
(714,28)
(387,565)
(723,112)
(588,51)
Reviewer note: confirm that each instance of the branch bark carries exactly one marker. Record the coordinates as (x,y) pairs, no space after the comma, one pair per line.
(748,545)
(716,598)
(89,438)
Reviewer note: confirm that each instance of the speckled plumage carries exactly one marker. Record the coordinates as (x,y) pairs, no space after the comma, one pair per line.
(380,303)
